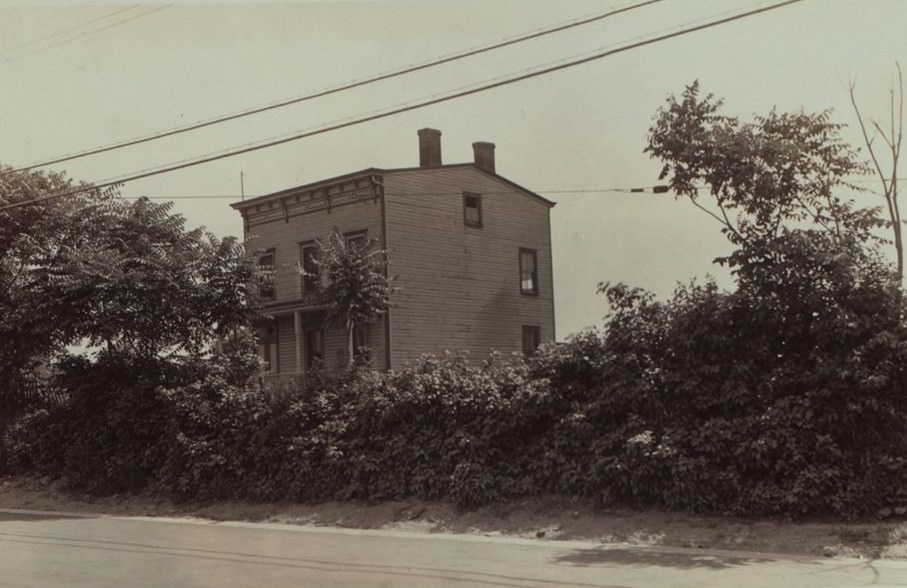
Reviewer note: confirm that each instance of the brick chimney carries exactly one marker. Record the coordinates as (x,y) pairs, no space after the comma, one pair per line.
(429,147)
(484,155)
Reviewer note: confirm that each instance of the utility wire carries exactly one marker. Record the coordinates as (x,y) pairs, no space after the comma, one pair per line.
(650,189)
(656,189)
(337,89)
(339,123)
(64,31)
(83,35)
(414,106)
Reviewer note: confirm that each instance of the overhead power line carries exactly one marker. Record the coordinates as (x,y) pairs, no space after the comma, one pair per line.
(655,189)
(337,89)
(658,189)
(91,32)
(409,107)
(64,31)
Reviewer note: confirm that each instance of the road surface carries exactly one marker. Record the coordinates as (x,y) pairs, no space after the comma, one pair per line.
(42,550)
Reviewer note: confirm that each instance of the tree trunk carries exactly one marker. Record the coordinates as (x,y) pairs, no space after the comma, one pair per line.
(350,326)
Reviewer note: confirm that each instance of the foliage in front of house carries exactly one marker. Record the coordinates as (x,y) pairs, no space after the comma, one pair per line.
(785,395)
(354,283)
(619,416)
(90,269)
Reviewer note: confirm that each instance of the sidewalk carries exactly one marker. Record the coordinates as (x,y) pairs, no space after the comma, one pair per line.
(549,519)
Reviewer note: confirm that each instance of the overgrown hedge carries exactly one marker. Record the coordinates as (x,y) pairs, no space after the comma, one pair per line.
(704,403)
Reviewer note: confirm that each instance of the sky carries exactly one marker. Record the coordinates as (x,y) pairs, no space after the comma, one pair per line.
(75,77)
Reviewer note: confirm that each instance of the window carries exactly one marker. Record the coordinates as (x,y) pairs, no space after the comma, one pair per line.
(314,349)
(529,283)
(267,348)
(266,274)
(308,253)
(361,350)
(357,239)
(360,337)
(532,336)
(472,209)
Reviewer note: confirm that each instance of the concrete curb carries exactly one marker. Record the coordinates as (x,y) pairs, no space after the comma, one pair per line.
(704,553)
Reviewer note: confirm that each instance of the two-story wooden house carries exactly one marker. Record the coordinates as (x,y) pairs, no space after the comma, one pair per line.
(471,251)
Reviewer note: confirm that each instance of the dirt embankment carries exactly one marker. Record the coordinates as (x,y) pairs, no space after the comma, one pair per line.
(548,519)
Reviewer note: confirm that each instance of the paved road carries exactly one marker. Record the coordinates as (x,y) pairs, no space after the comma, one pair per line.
(49,551)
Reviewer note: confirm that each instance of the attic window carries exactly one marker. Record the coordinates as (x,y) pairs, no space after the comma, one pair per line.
(472,209)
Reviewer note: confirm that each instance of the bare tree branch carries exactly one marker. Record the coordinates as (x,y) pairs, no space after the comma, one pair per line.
(867,140)
(893,141)
(895,156)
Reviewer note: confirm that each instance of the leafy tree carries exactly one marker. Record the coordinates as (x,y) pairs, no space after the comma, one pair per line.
(767,177)
(149,286)
(774,185)
(92,269)
(807,260)
(788,390)
(354,283)
(33,325)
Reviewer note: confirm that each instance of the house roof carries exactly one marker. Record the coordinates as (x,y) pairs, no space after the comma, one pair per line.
(244,204)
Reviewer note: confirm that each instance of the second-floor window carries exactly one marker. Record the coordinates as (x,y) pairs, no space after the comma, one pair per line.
(529,278)
(308,254)
(266,274)
(472,209)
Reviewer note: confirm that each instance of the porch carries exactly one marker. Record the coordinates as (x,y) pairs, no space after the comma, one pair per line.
(295,344)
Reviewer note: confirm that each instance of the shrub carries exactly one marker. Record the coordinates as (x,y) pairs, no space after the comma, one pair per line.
(751,411)
(695,403)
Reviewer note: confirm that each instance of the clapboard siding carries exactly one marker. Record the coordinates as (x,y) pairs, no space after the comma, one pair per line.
(334,338)
(460,285)
(272,229)
(335,343)
(284,236)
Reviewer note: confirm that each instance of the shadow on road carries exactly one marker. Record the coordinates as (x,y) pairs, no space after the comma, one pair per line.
(646,557)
